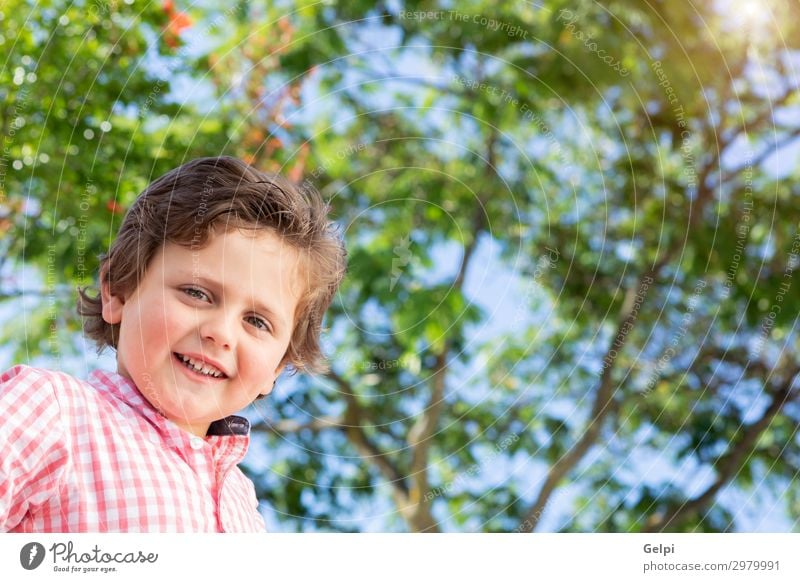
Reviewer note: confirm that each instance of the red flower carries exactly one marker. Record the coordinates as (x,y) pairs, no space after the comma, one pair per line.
(114,208)
(178,22)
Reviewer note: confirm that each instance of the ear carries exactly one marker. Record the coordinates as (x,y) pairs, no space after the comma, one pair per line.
(112,305)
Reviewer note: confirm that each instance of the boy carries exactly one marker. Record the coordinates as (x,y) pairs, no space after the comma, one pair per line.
(218,279)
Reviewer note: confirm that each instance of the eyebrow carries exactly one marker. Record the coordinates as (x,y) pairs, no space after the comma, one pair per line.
(272,314)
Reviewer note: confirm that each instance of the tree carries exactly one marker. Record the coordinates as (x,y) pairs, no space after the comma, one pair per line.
(614,165)
(89,117)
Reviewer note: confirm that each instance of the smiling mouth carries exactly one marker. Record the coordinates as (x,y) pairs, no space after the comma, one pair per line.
(198,367)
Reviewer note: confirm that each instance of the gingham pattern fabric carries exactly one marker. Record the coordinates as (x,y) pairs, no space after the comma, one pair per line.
(95,456)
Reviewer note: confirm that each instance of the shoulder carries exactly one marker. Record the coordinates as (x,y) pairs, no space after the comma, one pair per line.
(37,391)
(31,415)
(26,384)
(30,375)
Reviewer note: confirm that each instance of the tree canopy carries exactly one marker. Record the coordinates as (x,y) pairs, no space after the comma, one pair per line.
(572,232)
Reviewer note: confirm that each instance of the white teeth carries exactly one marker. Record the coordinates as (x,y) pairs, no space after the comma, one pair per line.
(201,367)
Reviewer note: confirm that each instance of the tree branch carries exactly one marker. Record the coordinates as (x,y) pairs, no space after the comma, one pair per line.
(420,437)
(766,115)
(772,149)
(353,427)
(602,405)
(63,291)
(289,426)
(603,401)
(729,464)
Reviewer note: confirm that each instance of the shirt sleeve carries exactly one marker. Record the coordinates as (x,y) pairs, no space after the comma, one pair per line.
(33,449)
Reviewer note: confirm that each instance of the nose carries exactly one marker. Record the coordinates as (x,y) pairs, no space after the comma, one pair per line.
(217,329)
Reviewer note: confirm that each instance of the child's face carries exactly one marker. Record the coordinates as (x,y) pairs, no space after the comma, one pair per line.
(228,306)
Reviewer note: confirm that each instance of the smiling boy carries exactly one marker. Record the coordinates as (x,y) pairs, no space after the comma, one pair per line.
(206,330)
(217,280)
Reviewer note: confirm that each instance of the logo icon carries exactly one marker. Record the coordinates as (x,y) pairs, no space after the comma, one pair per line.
(32,555)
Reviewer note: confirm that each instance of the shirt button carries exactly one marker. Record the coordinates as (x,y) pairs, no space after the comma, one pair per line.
(154,438)
(196,443)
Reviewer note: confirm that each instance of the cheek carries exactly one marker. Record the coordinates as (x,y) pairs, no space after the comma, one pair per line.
(257,367)
(172,323)
(155,325)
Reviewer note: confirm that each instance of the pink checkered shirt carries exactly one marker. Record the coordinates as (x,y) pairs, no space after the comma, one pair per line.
(95,456)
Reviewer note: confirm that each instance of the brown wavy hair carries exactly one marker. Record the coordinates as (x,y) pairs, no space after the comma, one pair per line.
(184,205)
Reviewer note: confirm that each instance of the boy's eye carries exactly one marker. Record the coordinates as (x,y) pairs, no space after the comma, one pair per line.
(196,293)
(259,323)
